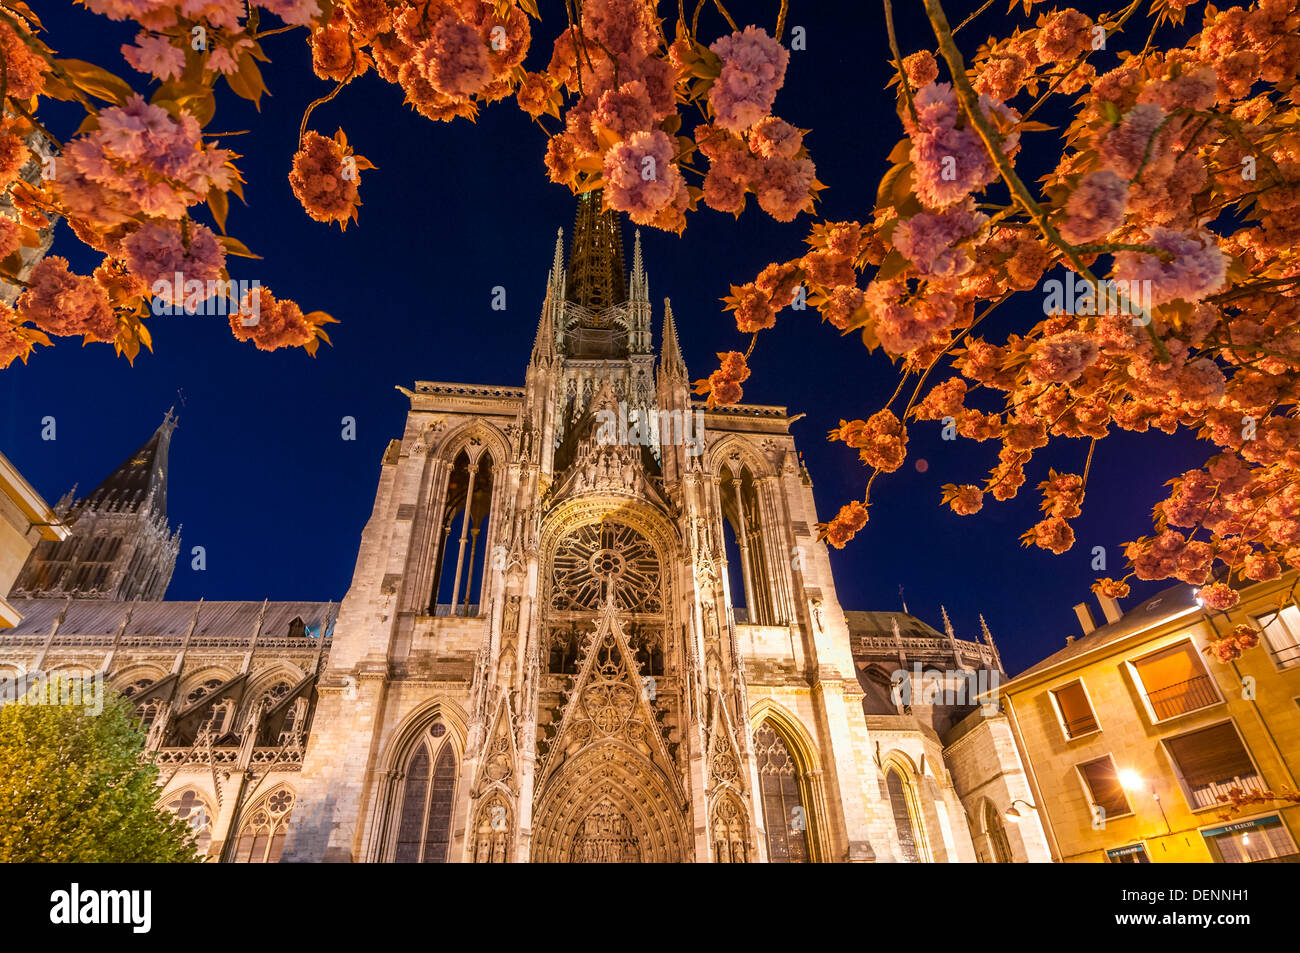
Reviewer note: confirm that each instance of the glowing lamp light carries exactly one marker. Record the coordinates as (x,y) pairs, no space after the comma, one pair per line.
(1014,815)
(1131,780)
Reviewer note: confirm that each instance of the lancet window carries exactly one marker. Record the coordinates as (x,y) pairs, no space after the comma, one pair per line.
(426,797)
(785,814)
(462,538)
(746,532)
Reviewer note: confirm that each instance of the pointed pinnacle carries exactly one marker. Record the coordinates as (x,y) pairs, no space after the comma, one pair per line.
(639,287)
(671,358)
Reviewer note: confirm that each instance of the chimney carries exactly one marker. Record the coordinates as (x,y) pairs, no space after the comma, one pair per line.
(1085,617)
(1110,608)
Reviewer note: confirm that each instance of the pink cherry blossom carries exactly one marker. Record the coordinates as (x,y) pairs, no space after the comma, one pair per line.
(156,56)
(753,69)
(640,176)
(1096,208)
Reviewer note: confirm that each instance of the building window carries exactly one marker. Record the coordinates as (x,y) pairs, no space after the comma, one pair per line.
(424,825)
(1211,762)
(458,571)
(146,711)
(191,809)
(1174,681)
(744,527)
(261,838)
(206,688)
(1074,709)
(784,811)
(996,830)
(1133,854)
(1103,786)
(1282,630)
(1253,841)
(909,843)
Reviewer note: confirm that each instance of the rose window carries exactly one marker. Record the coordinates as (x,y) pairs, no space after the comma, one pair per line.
(598,558)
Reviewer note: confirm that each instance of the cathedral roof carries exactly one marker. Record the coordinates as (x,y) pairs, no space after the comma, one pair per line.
(882,624)
(168,620)
(140,476)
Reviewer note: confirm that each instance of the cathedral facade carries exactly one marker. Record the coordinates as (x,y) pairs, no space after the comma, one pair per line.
(590,621)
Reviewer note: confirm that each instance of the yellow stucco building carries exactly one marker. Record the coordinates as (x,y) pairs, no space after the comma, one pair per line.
(1132,732)
(25,519)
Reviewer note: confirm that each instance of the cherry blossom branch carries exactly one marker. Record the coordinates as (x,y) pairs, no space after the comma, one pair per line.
(1106,249)
(898,60)
(1087,466)
(725,15)
(993,145)
(972,16)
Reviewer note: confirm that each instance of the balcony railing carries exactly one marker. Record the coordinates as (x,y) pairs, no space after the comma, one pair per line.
(1179,698)
(1288,656)
(463,611)
(1208,795)
(1083,725)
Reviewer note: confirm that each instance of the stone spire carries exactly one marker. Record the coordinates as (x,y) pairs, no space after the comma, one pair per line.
(952,638)
(544,342)
(640,289)
(988,639)
(555,280)
(670,359)
(121,546)
(596,276)
(639,304)
(140,479)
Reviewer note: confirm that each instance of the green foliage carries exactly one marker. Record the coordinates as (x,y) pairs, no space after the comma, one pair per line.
(74,786)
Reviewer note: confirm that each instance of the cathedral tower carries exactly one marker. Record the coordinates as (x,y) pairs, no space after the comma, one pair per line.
(121,547)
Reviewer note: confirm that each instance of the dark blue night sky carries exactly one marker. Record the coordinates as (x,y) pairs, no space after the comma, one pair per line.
(261,477)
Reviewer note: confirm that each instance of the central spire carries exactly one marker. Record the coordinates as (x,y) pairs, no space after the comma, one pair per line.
(597,278)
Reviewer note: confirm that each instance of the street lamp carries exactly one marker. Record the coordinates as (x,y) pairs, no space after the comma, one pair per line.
(1012,814)
(1132,781)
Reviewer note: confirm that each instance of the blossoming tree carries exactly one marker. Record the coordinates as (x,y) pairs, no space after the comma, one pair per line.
(1170,206)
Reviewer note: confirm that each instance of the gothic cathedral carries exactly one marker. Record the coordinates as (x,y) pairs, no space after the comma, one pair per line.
(590,620)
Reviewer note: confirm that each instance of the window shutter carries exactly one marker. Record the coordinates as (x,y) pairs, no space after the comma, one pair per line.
(1210,755)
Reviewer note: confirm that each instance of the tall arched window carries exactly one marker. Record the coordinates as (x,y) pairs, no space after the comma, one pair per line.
(744,529)
(261,836)
(462,540)
(147,711)
(996,830)
(424,823)
(193,810)
(909,843)
(785,814)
